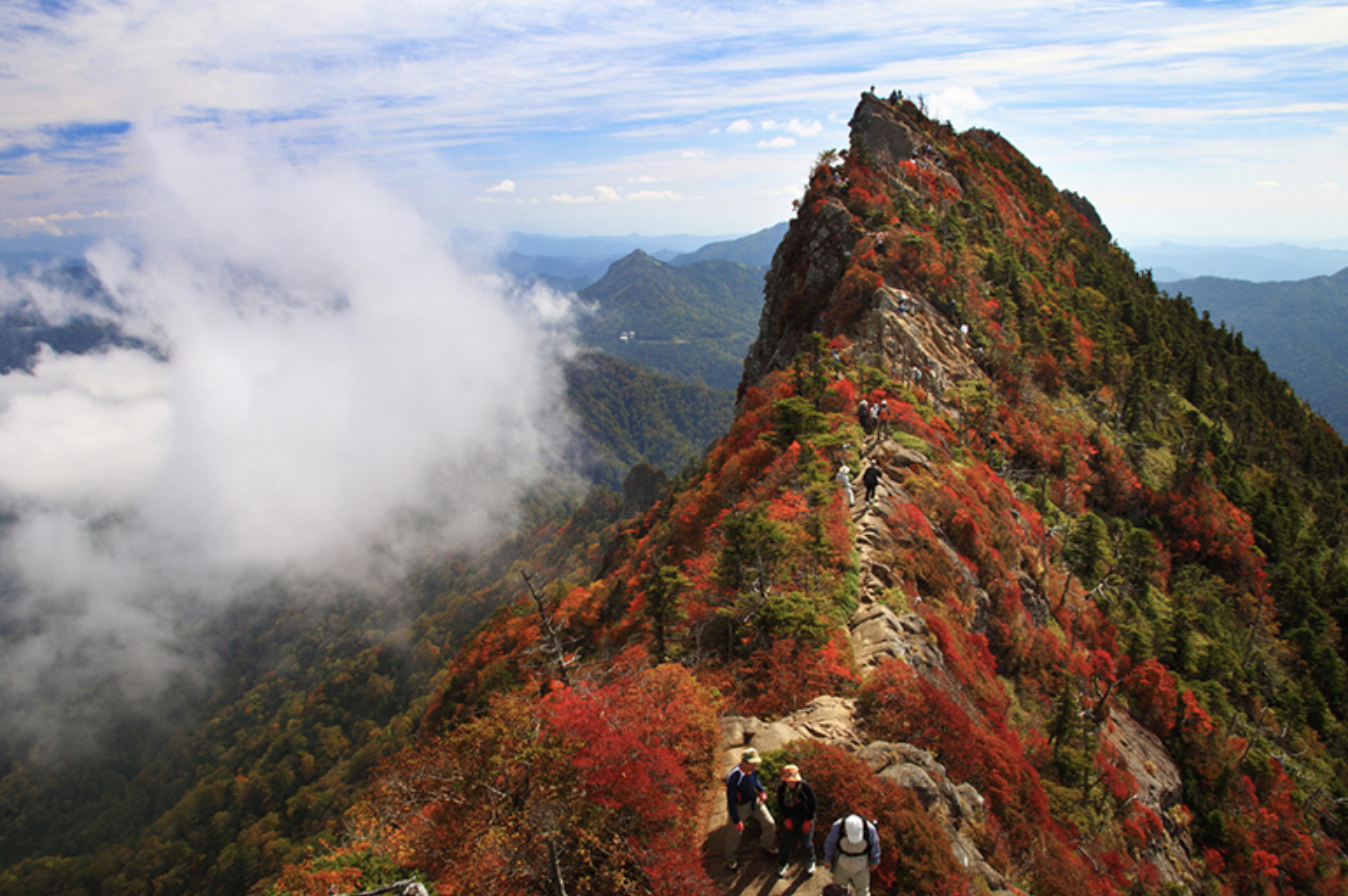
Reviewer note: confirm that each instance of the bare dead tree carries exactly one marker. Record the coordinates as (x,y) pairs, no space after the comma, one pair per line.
(552,634)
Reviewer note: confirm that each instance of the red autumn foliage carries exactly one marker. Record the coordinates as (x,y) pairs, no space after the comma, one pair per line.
(614,763)
(1151,690)
(897,704)
(780,679)
(1206,526)
(916,855)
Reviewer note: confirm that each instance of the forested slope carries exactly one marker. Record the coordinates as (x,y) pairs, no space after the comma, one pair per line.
(693,321)
(1300,327)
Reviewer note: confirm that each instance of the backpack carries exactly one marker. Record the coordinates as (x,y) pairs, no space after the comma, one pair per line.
(868,831)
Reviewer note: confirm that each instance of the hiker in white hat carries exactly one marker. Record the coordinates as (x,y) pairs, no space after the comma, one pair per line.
(852,851)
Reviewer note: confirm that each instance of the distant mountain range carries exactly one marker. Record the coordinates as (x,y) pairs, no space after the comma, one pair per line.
(1173,261)
(754,250)
(1300,327)
(573,263)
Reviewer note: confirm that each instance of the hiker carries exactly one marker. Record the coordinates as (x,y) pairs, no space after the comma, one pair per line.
(864,416)
(796,806)
(746,796)
(875,419)
(884,417)
(871,479)
(852,851)
(844,478)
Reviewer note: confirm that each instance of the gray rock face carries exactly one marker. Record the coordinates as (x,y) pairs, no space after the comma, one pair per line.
(878,633)
(878,129)
(811,259)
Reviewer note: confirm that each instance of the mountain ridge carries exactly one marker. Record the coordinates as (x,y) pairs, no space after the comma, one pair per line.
(1084,544)
(1098,600)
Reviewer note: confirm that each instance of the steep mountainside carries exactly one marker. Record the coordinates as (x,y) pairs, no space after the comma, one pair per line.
(1300,327)
(693,321)
(629,414)
(1084,638)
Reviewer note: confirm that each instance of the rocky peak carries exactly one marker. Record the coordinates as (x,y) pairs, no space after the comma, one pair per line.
(808,280)
(882,129)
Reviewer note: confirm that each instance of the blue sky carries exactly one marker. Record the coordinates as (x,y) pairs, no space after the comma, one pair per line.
(1202,122)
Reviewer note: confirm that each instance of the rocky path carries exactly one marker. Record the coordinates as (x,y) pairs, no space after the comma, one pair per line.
(906,336)
(876,632)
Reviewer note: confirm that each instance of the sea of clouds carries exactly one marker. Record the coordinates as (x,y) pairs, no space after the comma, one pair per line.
(326,392)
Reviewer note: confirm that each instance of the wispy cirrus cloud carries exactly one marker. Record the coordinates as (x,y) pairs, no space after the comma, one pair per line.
(467,96)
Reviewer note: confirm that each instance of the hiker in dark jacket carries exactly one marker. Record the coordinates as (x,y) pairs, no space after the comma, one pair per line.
(796,808)
(746,796)
(871,479)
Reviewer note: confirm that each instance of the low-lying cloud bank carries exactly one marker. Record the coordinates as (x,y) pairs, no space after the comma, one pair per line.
(329,394)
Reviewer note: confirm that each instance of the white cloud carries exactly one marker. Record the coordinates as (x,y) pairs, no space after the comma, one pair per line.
(778,143)
(740,126)
(652,195)
(606,194)
(1327,185)
(505,186)
(794,126)
(957,104)
(35,224)
(1268,184)
(51,224)
(338,399)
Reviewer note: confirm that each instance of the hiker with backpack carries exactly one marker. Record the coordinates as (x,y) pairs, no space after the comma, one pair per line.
(796,807)
(852,850)
(746,796)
